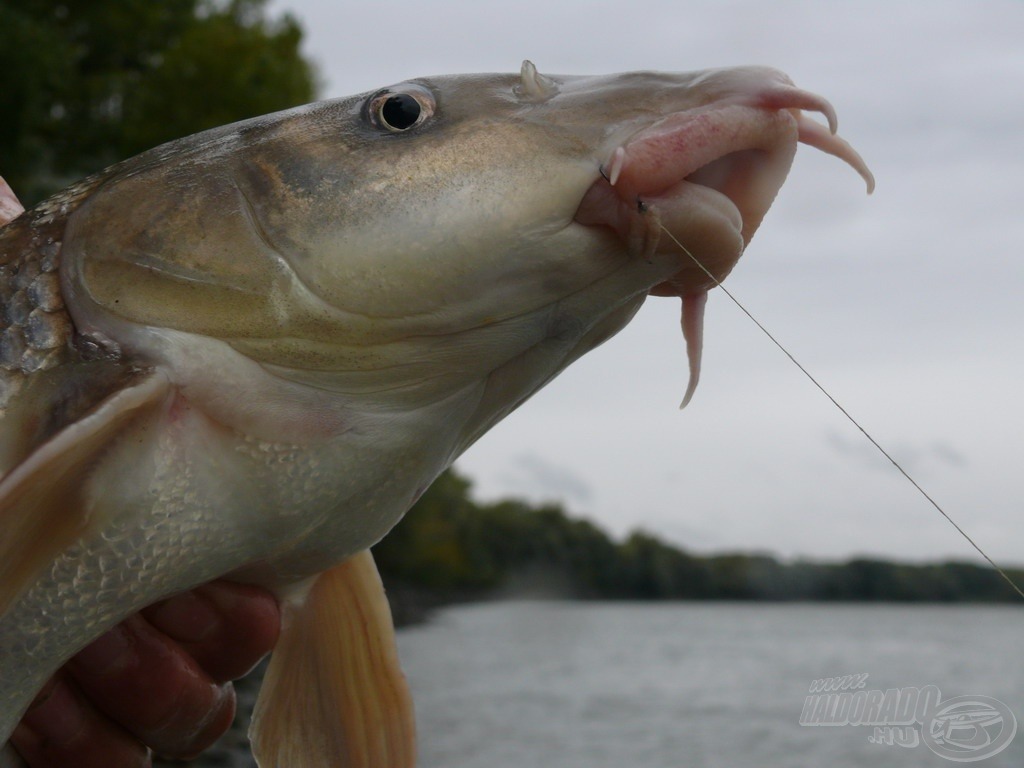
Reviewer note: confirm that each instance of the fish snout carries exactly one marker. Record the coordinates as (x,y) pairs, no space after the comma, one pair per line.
(708,174)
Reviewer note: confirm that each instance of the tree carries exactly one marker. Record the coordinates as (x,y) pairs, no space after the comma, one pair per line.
(84,83)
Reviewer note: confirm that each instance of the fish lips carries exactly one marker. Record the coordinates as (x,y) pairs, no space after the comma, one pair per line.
(707,175)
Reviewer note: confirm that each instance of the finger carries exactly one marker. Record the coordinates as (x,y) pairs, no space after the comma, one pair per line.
(226,627)
(147,684)
(62,729)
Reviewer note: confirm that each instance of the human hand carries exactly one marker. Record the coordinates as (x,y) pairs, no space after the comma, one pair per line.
(158,681)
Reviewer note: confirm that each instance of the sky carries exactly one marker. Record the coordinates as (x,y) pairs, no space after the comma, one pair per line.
(908,306)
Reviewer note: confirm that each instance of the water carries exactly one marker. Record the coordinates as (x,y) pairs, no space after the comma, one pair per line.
(603,685)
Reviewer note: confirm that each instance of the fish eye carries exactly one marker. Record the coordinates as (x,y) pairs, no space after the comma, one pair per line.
(401,108)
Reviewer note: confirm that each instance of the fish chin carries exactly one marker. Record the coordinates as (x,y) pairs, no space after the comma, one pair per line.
(707,222)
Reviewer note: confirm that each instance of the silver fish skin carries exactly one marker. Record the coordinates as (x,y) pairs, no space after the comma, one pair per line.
(249,351)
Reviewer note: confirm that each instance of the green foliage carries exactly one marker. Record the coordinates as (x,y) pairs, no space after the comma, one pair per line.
(452,546)
(84,83)
(438,545)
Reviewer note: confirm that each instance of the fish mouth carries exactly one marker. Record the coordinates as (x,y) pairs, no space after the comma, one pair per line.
(708,175)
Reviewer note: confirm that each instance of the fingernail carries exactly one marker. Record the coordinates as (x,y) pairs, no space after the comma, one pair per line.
(106,654)
(187,617)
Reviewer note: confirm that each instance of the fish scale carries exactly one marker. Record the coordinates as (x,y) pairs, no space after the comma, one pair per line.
(36,328)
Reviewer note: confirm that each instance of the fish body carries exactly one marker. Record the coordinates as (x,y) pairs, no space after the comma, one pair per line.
(247,352)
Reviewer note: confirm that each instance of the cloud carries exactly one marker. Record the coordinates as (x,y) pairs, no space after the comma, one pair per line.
(536,477)
(914,459)
(948,454)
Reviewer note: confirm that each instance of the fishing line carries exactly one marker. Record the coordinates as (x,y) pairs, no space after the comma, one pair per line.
(642,208)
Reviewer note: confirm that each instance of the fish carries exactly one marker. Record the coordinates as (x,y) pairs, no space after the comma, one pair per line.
(247,353)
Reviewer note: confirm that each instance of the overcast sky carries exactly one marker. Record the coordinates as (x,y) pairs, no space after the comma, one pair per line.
(908,305)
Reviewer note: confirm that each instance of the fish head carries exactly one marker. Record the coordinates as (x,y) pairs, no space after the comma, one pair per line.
(490,188)
(450,234)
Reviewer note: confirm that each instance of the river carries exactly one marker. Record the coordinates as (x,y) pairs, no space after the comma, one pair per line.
(688,685)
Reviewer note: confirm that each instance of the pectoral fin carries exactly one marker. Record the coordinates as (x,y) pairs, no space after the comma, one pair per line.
(334,695)
(42,505)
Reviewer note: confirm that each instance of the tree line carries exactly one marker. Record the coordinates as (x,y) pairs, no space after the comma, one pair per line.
(452,547)
(85,83)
